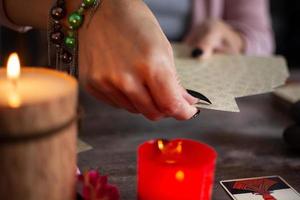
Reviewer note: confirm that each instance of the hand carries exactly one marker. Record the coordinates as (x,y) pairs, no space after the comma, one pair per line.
(126,61)
(216,36)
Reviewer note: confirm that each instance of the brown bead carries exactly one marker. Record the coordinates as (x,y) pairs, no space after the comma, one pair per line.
(66,57)
(58,13)
(57,37)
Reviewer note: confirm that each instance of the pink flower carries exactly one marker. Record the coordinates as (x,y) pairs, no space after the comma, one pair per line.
(95,187)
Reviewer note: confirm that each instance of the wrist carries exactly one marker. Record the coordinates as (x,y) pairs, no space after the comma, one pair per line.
(33,13)
(65,21)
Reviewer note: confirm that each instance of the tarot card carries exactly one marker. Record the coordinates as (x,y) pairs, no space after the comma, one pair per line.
(260,188)
(225,78)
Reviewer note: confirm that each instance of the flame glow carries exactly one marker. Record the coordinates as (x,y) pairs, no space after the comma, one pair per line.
(13,67)
(13,73)
(179,175)
(160,144)
(14,100)
(179,147)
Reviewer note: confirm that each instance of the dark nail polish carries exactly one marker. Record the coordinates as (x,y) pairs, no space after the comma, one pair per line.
(198,96)
(196,114)
(197,52)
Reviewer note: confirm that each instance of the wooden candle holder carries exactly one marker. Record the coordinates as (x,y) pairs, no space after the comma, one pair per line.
(38,144)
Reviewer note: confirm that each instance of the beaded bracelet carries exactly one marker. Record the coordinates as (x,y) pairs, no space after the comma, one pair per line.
(63,42)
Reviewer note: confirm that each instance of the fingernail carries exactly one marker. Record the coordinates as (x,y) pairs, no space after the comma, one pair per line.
(196,114)
(197,52)
(198,95)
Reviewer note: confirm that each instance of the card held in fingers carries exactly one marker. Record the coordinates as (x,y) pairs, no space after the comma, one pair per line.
(260,188)
(224,78)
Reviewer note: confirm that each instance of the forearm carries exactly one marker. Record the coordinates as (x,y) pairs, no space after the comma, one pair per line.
(33,13)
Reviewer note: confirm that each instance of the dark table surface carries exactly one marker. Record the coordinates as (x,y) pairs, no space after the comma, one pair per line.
(249,143)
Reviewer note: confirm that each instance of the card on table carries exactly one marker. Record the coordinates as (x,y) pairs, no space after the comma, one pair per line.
(289,93)
(82,146)
(260,188)
(223,78)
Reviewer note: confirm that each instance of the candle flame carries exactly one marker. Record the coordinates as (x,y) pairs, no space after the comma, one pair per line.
(179,147)
(13,73)
(13,67)
(179,175)
(170,150)
(171,147)
(160,144)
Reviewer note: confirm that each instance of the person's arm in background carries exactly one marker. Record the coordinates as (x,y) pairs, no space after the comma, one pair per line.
(124,57)
(245,28)
(252,19)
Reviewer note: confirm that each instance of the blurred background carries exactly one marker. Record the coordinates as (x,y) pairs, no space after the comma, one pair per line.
(285,19)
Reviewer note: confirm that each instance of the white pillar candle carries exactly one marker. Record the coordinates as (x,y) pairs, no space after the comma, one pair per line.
(38,130)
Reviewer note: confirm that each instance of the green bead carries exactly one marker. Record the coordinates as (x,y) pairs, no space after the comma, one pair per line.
(75,20)
(89,3)
(70,42)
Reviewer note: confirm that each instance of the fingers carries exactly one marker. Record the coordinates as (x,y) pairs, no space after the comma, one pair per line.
(107,92)
(161,97)
(121,99)
(216,37)
(139,96)
(125,92)
(220,39)
(225,49)
(208,37)
(93,91)
(209,42)
(206,40)
(168,97)
(191,38)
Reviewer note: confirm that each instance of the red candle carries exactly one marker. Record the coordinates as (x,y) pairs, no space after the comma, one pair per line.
(180,169)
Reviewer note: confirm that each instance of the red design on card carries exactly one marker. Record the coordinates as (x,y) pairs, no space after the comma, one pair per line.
(259,186)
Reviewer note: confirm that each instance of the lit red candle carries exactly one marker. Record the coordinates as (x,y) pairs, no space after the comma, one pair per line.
(180,169)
